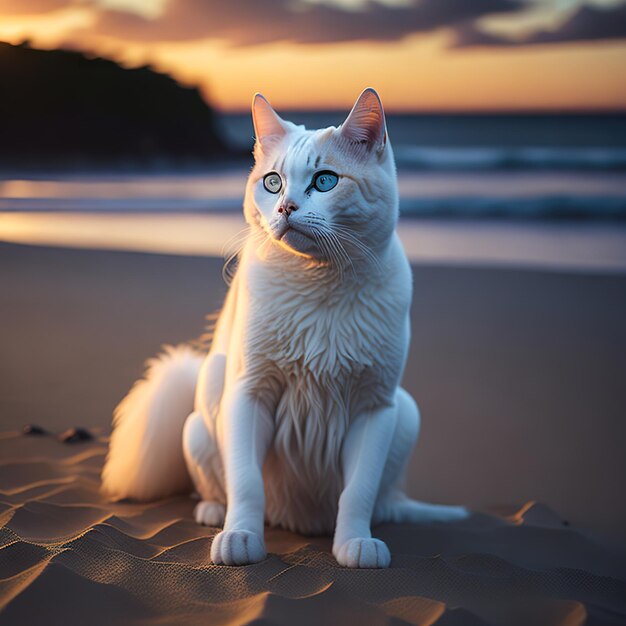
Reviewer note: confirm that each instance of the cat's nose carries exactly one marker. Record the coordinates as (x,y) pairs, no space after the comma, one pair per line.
(288,208)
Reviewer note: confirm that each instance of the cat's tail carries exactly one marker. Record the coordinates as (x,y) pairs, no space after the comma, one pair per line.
(145,460)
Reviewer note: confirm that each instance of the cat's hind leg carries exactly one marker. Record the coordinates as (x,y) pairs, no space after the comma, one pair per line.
(200,447)
(392,504)
(204,466)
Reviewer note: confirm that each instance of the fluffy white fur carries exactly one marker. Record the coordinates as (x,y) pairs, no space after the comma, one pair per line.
(298,418)
(145,460)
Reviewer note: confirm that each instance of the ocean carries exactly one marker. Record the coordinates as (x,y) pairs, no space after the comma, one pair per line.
(509,189)
(520,166)
(468,166)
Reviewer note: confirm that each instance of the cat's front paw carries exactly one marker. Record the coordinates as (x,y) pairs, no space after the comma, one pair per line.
(364,553)
(237,547)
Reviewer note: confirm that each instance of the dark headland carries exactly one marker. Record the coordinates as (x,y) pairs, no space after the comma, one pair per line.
(60,107)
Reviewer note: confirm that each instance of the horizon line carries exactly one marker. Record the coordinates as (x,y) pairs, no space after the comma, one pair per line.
(600,112)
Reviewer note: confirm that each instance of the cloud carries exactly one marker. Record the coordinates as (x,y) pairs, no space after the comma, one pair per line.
(251,22)
(587,24)
(30,7)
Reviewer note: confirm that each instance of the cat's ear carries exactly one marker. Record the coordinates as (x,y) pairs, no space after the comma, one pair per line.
(366,122)
(268,127)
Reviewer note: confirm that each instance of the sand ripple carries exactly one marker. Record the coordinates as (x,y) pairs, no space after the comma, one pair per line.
(67,556)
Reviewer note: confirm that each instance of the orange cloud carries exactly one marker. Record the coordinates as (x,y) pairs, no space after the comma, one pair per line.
(250,22)
(418,72)
(31,7)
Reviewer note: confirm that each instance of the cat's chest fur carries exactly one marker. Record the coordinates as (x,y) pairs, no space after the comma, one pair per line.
(326,329)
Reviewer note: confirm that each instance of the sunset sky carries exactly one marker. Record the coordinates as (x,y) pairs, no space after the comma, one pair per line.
(441,55)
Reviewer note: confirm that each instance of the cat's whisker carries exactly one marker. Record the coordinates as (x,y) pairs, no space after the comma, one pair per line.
(328,251)
(325,248)
(231,250)
(342,251)
(264,241)
(343,234)
(367,252)
(333,247)
(328,233)
(236,241)
(257,236)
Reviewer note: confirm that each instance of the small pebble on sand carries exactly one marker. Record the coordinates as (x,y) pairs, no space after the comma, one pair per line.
(74,435)
(33,429)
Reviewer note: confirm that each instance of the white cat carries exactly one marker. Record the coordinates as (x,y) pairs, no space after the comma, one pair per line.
(298,418)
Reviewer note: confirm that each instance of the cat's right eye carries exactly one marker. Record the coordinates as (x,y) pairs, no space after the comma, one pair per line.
(272,182)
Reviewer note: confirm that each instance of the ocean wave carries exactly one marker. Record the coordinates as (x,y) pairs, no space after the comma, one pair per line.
(541,207)
(507,158)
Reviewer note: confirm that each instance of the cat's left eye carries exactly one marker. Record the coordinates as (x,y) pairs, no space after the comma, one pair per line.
(325,181)
(272,182)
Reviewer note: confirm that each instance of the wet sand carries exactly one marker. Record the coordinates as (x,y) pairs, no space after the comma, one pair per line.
(520,378)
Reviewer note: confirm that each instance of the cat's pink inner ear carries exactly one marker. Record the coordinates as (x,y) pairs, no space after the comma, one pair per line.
(267,123)
(366,122)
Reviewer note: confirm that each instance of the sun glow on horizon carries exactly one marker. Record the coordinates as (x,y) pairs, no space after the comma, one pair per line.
(417,73)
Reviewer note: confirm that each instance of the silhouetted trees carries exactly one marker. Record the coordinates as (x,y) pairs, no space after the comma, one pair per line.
(63,105)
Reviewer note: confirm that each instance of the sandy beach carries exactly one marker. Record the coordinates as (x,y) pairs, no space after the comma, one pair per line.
(67,557)
(519,375)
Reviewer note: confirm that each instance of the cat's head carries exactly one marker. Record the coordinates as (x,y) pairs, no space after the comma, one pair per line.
(329,194)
